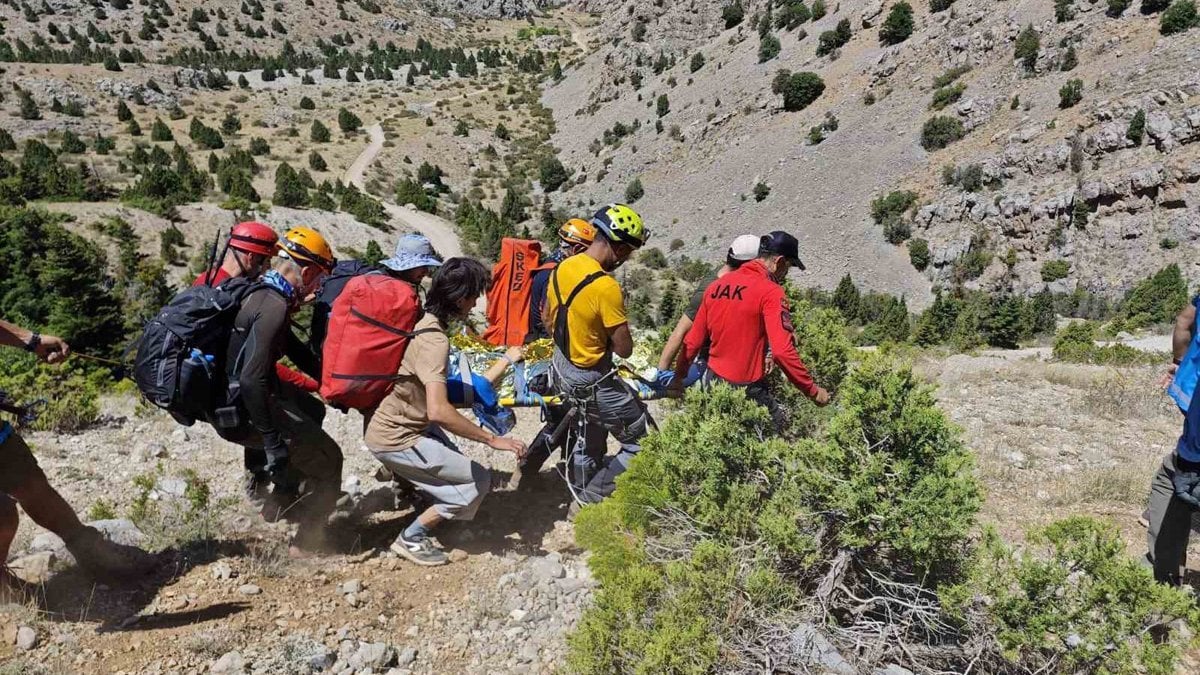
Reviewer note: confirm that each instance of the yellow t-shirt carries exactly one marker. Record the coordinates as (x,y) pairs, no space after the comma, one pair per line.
(592,315)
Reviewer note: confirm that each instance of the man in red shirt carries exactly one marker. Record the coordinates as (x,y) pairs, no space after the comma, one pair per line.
(743,314)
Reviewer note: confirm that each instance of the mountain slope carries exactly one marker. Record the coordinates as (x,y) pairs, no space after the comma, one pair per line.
(734,133)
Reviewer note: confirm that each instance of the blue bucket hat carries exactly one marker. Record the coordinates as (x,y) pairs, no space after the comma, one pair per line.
(413,251)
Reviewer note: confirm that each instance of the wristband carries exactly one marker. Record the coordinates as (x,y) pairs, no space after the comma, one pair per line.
(35,340)
(507,360)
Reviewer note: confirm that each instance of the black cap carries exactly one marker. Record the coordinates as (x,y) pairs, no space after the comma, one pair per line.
(782,244)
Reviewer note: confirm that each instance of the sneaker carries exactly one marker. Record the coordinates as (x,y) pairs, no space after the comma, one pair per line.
(106,559)
(420,551)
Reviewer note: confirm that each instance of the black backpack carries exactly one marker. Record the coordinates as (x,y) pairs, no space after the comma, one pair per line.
(330,289)
(179,365)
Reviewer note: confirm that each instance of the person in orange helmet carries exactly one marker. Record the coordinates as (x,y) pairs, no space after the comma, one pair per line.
(277,422)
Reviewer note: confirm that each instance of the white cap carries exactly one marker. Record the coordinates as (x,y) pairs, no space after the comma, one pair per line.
(744,248)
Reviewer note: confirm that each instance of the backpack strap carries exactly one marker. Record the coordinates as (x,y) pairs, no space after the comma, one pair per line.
(562,337)
(468,379)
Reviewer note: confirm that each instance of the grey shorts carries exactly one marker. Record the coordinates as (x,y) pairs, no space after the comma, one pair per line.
(438,468)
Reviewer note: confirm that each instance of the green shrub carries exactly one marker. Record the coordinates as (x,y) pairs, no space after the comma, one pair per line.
(1179,17)
(1053,270)
(1153,6)
(411,192)
(818,10)
(918,253)
(307,103)
(552,173)
(831,40)
(204,136)
(663,105)
(1070,60)
(944,96)
(1076,343)
(1072,601)
(761,191)
(653,258)
(733,14)
(634,191)
(7,144)
(799,90)
(160,132)
(259,147)
(1117,7)
(319,133)
(72,392)
(768,48)
(754,522)
(892,205)
(71,143)
(348,122)
(939,5)
(1070,94)
(1156,299)
(1137,127)
(1026,48)
(697,62)
(898,25)
(1064,10)
(316,162)
(940,131)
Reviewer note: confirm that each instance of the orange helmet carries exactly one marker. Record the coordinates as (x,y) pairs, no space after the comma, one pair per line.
(576,231)
(306,246)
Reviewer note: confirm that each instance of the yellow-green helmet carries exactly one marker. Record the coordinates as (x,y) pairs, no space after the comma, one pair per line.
(622,225)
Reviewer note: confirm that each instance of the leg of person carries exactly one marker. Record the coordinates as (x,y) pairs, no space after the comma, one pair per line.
(23,480)
(626,418)
(10,586)
(316,457)
(456,485)
(1169,528)
(543,444)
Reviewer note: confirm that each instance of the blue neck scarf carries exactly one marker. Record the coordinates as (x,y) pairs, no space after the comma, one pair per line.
(275,280)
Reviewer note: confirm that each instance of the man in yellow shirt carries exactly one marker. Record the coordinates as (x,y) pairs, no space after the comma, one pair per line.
(586,313)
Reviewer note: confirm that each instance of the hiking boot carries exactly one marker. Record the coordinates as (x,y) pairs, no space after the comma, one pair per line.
(106,559)
(419,551)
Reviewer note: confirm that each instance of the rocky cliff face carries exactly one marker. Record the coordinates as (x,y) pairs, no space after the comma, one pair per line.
(492,9)
(725,131)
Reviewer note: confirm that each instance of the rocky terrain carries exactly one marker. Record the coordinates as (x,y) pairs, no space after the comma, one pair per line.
(725,132)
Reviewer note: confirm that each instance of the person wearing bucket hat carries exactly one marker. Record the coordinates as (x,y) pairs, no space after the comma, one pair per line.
(743,249)
(742,315)
(414,257)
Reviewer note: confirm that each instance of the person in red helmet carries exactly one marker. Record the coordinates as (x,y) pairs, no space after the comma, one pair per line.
(250,248)
(248,254)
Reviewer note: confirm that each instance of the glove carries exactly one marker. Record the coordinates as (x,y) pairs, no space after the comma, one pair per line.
(277,465)
(1186,483)
(664,379)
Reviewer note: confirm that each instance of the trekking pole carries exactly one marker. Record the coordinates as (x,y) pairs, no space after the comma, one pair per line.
(97,359)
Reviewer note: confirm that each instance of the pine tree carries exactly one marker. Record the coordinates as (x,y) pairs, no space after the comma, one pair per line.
(28,108)
(668,305)
(319,132)
(847,299)
(160,132)
(289,190)
(124,114)
(373,254)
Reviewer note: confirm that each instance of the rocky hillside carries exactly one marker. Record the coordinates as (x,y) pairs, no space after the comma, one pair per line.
(701,133)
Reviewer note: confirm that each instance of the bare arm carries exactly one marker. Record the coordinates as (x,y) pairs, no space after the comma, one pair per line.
(50,349)
(496,371)
(622,341)
(1181,336)
(445,415)
(674,344)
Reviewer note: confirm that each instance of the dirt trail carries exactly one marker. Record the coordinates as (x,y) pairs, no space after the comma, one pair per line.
(440,231)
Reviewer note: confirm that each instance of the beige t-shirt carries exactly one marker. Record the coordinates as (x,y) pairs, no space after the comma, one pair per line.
(401,419)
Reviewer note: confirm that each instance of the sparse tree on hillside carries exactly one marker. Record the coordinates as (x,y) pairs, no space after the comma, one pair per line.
(768,48)
(1064,10)
(663,105)
(1070,60)
(1137,127)
(160,132)
(697,62)
(552,174)
(898,25)
(124,114)
(259,147)
(319,132)
(306,103)
(1026,48)
(1179,17)
(27,107)
(1116,8)
(634,191)
(733,14)
(231,124)
(316,162)
(289,189)
(348,122)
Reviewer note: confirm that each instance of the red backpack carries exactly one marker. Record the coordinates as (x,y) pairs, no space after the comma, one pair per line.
(508,298)
(369,329)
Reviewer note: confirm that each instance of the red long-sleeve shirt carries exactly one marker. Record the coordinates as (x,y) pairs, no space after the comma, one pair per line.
(293,377)
(742,314)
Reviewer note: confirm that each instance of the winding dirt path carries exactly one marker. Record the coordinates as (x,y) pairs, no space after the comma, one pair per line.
(440,231)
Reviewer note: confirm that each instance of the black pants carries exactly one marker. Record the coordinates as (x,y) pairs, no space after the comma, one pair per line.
(544,444)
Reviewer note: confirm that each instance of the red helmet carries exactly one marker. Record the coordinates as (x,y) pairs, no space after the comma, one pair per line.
(253,237)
